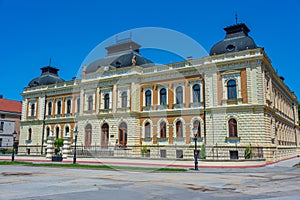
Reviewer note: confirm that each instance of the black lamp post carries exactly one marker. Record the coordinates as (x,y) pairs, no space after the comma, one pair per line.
(195,151)
(76,134)
(13,150)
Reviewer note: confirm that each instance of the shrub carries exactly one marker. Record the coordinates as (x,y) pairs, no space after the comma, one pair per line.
(3,151)
(203,152)
(58,144)
(248,152)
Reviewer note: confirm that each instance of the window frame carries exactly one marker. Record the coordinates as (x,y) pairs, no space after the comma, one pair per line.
(179,95)
(232,127)
(231,89)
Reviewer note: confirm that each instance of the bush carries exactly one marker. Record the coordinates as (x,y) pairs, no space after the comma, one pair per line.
(248,152)
(203,152)
(3,151)
(58,144)
(10,151)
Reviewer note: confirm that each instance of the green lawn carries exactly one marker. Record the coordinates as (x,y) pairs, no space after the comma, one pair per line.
(297,165)
(106,167)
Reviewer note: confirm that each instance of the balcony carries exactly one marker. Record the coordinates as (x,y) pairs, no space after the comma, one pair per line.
(199,139)
(148,139)
(177,106)
(121,110)
(162,107)
(195,105)
(232,139)
(179,139)
(162,140)
(48,116)
(68,115)
(147,108)
(58,116)
(105,111)
(31,117)
(28,141)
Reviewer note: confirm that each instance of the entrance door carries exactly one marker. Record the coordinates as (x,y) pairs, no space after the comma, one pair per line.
(104,135)
(123,134)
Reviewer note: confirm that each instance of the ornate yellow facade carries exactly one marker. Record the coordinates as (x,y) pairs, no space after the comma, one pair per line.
(228,100)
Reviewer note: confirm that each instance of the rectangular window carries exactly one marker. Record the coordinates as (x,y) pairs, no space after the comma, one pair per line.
(234,155)
(78,105)
(179,153)
(2,116)
(1,126)
(163,153)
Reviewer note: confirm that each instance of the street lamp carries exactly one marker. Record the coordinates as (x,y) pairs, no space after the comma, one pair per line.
(76,134)
(195,129)
(13,150)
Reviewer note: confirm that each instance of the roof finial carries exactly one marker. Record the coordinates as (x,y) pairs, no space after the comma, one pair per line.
(50,62)
(236,18)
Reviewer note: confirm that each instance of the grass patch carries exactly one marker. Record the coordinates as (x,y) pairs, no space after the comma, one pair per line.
(297,165)
(83,166)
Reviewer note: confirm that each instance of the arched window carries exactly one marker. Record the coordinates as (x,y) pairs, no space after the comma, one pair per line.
(104,135)
(124,99)
(196,126)
(123,134)
(90,103)
(32,109)
(163,96)
(196,93)
(88,135)
(57,132)
(50,108)
(59,107)
(67,131)
(68,106)
(148,97)
(29,133)
(232,128)
(147,130)
(231,89)
(163,129)
(179,95)
(78,105)
(179,130)
(106,101)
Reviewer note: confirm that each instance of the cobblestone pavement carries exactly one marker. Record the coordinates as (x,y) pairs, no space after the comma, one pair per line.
(278,181)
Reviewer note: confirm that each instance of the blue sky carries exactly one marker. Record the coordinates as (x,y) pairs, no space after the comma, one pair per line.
(32,31)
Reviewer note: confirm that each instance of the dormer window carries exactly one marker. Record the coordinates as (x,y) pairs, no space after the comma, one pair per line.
(118,64)
(230,47)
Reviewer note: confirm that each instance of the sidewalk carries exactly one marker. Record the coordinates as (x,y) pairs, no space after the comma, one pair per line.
(188,164)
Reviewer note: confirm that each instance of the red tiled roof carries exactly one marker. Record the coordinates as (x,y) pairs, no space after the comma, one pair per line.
(10,105)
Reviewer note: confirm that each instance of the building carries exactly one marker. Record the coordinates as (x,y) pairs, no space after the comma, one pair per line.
(124,104)
(10,112)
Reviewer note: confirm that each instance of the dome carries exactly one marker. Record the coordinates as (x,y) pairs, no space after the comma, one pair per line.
(236,39)
(49,76)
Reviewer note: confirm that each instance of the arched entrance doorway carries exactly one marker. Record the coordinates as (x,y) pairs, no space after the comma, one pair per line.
(123,134)
(88,135)
(104,135)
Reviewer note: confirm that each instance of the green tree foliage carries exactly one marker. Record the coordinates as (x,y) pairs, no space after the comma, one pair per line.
(58,144)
